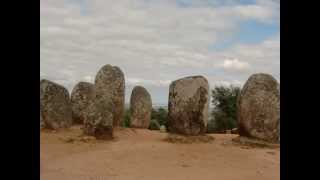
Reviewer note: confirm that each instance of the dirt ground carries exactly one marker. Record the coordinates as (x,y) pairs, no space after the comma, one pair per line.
(140,154)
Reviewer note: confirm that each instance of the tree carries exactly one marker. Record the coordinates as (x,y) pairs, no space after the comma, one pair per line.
(224,101)
(126,118)
(160,115)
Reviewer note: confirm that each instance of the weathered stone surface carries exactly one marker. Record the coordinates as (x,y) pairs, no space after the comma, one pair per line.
(110,85)
(140,107)
(55,105)
(82,94)
(188,105)
(258,108)
(41,120)
(98,119)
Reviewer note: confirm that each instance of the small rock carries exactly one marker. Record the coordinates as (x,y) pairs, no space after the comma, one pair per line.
(163,129)
(271,152)
(234,131)
(87,138)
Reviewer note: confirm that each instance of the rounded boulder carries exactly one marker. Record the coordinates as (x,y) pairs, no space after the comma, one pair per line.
(55,105)
(81,96)
(258,108)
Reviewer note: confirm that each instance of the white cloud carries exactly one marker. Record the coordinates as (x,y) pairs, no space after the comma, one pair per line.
(228,83)
(148,82)
(88,79)
(235,64)
(153,42)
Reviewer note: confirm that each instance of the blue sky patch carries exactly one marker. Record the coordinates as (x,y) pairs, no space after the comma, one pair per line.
(249,32)
(211,3)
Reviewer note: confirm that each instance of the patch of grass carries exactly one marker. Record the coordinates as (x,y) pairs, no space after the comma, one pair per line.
(81,138)
(253,143)
(181,139)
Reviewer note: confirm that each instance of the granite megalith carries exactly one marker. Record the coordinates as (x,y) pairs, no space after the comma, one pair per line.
(140,108)
(110,85)
(55,105)
(81,96)
(188,106)
(258,108)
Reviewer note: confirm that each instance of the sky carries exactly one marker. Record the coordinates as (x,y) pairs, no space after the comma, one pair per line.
(155,42)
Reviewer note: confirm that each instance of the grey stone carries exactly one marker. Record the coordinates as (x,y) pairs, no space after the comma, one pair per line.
(55,105)
(140,107)
(234,131)
(258,108)
(110,85)
(41,120)
(98,119)
(188,105)
(81,95)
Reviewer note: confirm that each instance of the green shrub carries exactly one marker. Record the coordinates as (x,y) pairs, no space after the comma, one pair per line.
(154,125)
(126,119)
(224,115)
(160,115)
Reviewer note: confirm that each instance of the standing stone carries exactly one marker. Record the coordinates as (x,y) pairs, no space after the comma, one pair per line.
(110,85)
(258,108)
(140,108)
(98,119)
(82,94)
(55,105)
(188,105)
(41,120)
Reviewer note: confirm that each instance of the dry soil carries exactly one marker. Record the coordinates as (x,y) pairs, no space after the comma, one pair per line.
(140,154)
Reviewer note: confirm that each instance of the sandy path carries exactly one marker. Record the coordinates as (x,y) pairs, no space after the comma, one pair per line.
(138,154)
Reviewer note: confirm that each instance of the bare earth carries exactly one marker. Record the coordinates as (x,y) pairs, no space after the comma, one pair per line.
(139,154)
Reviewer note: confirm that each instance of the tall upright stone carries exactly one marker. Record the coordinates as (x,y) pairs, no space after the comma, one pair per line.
(258,108)
(55,105)
(188,105)
(110,85)
(140,108)
(81,95)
